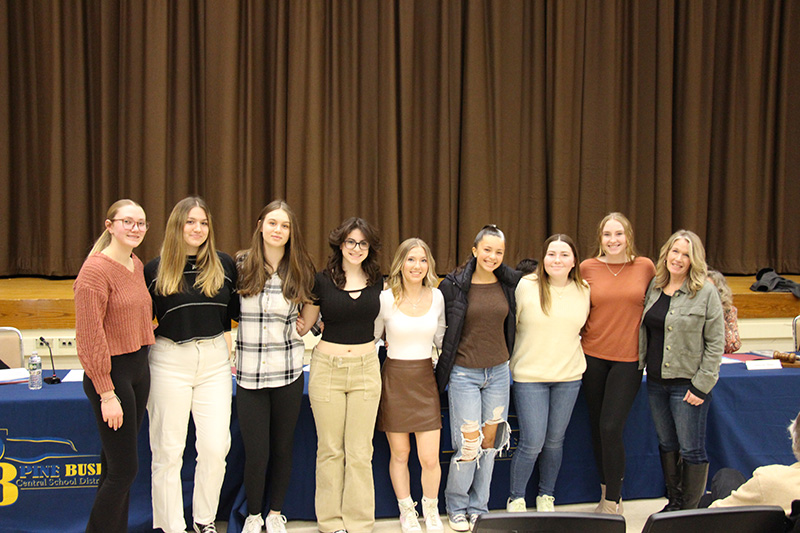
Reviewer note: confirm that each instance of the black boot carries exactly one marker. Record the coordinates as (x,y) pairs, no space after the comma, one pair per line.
(693,484)
(671,466)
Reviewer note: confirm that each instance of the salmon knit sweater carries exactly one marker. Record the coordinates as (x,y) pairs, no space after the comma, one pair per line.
(113,315)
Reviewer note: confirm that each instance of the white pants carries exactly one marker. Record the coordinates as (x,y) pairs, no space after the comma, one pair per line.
(194,377)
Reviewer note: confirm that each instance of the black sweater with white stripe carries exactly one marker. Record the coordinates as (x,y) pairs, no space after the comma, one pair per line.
(190,314)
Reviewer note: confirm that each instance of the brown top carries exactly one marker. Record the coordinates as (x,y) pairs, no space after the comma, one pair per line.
(483,340)
(612,330)
(113,315)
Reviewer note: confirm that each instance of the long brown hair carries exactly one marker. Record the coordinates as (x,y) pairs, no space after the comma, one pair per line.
(104,239)
(295,269)
(210,276)
(544,277)
(370,266)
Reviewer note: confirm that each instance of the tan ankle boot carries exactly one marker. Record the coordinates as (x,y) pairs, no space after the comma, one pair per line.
(609,507)
(599,508)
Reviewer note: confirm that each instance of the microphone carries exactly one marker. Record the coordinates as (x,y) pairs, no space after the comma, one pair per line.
(54,380)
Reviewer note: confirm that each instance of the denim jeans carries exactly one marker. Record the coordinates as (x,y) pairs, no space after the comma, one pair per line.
(543,411)
(679,425)
(478,396)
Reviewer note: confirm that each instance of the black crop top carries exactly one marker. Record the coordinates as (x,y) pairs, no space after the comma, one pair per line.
(347,320)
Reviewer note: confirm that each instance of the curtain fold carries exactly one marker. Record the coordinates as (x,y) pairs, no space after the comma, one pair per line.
(428,119)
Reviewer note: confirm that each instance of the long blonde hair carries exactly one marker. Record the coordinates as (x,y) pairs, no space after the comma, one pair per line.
(104,239)
(630,249)
(210,276)
(698,271)
(544,278)
(395,279)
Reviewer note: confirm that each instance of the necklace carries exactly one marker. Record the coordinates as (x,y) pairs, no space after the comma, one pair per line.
(615,274)
(414,305)
(559,293)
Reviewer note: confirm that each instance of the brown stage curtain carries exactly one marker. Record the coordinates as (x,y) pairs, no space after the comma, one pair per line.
(428,118)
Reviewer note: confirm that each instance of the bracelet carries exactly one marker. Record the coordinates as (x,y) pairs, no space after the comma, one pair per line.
(104,400)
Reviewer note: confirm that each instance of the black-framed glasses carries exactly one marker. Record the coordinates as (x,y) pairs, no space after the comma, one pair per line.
(128,223)
(351,244)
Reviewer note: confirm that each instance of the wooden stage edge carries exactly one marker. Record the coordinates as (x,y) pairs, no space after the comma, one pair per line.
(35,303)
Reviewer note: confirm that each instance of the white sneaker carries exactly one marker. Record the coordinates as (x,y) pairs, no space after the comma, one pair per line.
(516,505)
(253,524)
(275,523)
(472,519)
(430,510)
(545,504)
(408,518)
(458,522)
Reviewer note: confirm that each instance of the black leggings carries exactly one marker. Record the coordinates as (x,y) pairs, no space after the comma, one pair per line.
(267,418)
(119,457)
(607,415)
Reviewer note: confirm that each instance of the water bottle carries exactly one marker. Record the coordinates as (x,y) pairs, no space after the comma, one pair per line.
(35,371)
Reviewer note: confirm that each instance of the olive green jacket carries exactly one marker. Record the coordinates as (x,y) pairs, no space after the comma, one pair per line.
(694,335)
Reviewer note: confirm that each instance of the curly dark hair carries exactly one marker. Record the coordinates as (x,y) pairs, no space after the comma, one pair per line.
(371,265)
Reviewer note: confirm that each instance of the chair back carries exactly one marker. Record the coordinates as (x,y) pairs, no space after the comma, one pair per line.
(745,519)
(558,522)
(11,350)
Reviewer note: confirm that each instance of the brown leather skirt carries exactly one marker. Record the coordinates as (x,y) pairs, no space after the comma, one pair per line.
(409,397)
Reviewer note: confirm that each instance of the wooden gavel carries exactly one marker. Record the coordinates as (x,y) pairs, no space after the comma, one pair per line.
(784,357)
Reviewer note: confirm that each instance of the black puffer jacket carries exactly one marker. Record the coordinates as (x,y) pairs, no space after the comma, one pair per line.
(455,287)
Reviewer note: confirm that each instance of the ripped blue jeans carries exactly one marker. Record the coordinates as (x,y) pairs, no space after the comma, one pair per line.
(478,397)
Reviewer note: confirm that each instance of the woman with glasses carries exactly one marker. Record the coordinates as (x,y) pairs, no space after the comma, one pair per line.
(193,287)
(276,276)
(113,329)
(412,315)
(344,384)
(480,308)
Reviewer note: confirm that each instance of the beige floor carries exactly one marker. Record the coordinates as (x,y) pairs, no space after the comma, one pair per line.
(636,513)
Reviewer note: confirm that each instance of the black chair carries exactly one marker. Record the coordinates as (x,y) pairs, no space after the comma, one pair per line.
(746,519)
(557,522)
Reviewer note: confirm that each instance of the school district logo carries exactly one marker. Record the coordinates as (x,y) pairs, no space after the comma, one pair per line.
(43,463)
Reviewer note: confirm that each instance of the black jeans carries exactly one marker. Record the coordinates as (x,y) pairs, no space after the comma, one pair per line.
(119,457)
(610,388)
(267,418)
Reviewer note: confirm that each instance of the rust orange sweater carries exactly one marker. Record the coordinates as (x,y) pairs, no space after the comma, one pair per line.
(612,331)
(113,315)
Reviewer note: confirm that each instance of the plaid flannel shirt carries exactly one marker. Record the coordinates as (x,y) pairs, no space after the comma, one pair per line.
(269,351)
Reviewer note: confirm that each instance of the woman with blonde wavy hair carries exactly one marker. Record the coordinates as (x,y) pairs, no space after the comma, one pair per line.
(681,339)
(113,329)
(193,288)
(412,315)
(732,340)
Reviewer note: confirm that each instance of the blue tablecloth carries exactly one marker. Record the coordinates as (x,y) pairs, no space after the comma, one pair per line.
(49,446)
